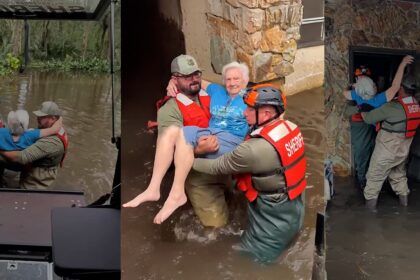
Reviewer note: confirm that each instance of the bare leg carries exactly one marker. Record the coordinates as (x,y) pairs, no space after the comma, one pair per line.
(184,158)
(165,145)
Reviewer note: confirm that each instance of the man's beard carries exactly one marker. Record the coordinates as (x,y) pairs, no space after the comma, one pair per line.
(189,91)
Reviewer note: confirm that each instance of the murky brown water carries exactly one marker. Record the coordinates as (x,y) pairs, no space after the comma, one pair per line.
(86,103)
(376,246)
(180,248)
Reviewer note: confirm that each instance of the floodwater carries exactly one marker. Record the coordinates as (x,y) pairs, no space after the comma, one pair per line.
(85,100)
(180,248)
(366,245)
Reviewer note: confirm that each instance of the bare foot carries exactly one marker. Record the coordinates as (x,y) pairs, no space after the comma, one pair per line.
(147,195)
(171,204)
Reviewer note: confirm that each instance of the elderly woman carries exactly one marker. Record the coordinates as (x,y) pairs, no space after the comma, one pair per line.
(362,134)
(227,123)
(17,136)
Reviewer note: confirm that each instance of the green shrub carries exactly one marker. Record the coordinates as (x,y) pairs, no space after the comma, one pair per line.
(93,64)
(9,64)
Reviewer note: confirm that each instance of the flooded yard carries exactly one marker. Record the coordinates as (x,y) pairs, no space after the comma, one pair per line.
(85,100)
(181,248)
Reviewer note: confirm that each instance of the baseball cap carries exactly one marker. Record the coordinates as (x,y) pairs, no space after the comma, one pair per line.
(184,64)
(48,108)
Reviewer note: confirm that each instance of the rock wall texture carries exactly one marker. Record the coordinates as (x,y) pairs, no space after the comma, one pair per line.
(371,23)
(260,33)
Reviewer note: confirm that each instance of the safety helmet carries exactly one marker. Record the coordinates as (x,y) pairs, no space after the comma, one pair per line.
(362,70)
(409,82)
(265,94)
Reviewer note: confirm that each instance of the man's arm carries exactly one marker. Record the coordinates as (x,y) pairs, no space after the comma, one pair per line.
(54,129)
(240,160)
(375,116)
(350,109)
(396,83)
(10,155)
(206,144)
(44,147)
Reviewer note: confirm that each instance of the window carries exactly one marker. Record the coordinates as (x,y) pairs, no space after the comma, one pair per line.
(312,28)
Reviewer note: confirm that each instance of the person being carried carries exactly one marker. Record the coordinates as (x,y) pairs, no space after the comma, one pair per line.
(270,168)
(45,155)
(226,123)
(363,93)
(17,136)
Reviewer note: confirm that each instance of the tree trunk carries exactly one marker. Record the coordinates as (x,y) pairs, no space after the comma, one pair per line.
(105,34)
(87,29)
(45,37)
(17,36)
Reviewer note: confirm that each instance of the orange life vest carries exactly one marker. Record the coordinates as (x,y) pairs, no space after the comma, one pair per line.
(62,135)
(192,113)
(287,140)
(412,117)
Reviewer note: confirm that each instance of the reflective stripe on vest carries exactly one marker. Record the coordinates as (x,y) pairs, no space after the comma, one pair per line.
(412,117)
(62,135)
(192,113)
(287,140)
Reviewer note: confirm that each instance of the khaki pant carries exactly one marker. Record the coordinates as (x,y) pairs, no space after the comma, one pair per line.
(207,196)
(38,178)
(388,160)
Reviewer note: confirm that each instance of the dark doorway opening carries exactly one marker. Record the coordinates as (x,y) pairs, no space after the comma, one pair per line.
(383,63)
(149,42)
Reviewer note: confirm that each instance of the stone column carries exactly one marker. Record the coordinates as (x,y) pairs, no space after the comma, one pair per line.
(260,33)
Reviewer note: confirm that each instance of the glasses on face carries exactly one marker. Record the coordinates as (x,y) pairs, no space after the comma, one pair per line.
(190,77)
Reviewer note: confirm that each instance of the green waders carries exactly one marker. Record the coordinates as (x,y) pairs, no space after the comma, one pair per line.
(362,142)
(274,221)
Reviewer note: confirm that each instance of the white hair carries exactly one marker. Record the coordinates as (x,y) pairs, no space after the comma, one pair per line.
(236,65)
(18,121)
(365,87)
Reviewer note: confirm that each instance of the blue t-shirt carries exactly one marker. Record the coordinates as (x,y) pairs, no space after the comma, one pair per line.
(377,101)
(28,138)
(227,113)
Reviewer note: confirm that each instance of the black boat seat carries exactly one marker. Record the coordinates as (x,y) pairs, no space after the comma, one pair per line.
(86,242)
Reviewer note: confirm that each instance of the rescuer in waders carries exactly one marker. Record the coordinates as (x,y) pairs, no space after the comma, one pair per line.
(397,122)
(364,94)
(270,169)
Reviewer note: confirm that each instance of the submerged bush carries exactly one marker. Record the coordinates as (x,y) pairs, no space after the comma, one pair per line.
(9,63)
(92,64)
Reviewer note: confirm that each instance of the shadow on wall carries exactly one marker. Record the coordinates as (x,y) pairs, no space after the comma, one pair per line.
(149,43)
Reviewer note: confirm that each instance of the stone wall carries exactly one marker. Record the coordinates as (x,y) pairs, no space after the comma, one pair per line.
(370,23)
(260,33)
